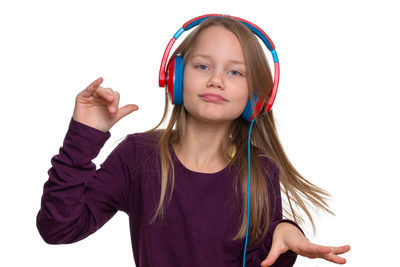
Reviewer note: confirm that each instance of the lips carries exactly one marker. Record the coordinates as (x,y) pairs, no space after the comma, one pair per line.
(213,97)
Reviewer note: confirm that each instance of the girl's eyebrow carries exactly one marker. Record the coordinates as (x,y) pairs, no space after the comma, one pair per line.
(209,57)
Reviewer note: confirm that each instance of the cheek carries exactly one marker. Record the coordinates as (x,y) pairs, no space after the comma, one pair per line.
(188,80)
(243,101)
(189,88)
(242,94)
(191,84)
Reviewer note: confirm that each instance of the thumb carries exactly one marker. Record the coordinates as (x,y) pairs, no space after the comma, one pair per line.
(125,110)
(273,254)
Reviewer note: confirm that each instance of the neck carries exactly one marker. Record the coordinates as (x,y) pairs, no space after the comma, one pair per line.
(202,145)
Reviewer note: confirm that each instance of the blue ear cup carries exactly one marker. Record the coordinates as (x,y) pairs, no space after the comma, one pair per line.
(248,110)
(174,80)
(178,80)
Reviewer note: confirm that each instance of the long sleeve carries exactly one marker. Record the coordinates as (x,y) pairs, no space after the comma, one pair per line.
(78,199)
(261,252)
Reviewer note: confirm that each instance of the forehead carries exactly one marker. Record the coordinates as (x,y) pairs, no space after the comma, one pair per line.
(218,41)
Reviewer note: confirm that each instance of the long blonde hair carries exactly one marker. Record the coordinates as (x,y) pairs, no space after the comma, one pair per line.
(264,138)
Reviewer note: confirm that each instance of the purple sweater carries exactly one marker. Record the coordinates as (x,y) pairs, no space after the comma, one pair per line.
(199,222)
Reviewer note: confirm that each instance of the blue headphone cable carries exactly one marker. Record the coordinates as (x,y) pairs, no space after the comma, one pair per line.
(248,193)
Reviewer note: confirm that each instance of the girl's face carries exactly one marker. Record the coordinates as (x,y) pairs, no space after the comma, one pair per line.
(214,82)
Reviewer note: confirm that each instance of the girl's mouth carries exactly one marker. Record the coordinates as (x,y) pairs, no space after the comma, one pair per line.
(212,97)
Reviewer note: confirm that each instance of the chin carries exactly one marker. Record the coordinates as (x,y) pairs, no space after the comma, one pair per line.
(211,115)
(214,118)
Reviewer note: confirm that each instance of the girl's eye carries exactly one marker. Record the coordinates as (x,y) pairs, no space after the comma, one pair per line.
(201,67)
(236,73)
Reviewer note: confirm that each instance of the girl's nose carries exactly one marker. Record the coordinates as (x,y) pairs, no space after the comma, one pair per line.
(215,80)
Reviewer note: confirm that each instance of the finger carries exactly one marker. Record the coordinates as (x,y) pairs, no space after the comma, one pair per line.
(318,249)
(327,253)
(331,256)
(116,99)
(314,249)
(113,106)
(334,258)
(311,250)
(340,250)
(105,93)
(273,254)
(125,110)
(92,87)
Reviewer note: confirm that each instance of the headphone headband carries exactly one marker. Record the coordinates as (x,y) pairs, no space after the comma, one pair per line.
(254,28)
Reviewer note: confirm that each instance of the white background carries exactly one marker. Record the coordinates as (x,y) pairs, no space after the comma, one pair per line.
(337,109)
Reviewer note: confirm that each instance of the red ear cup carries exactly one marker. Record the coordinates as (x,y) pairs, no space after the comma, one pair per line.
(170,79)
(250,113)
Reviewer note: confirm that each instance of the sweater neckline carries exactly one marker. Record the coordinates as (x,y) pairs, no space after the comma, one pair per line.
(180,165)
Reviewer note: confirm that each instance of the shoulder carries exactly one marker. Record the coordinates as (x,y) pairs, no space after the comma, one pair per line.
(271,173)
(269,167)
(144,138)
(267,162)
(136,149)
(143,142)
(137,145)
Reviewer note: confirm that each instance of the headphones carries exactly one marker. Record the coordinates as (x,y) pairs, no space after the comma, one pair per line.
(172,75)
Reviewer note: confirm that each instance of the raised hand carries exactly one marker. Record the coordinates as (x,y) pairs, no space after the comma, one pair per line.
(97,107)
(288,237)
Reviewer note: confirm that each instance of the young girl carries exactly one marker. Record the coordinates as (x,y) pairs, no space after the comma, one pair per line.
(185,188)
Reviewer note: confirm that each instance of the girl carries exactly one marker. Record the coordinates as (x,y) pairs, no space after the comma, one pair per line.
(184,188)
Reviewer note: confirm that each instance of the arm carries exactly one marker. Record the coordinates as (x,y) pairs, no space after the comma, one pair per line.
(78,199)
(288,257)
(258,254)
(286,239)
